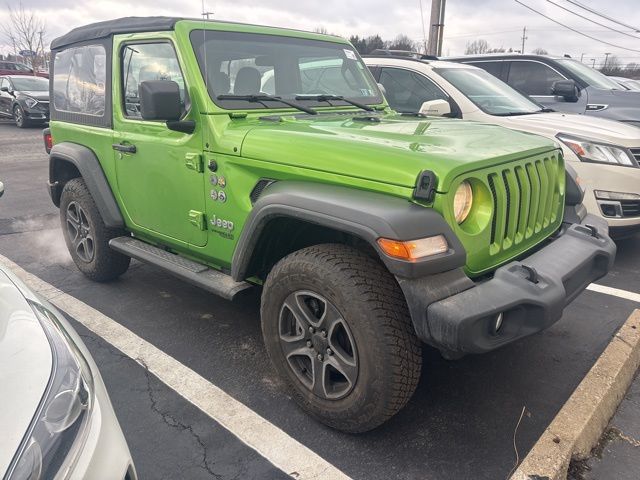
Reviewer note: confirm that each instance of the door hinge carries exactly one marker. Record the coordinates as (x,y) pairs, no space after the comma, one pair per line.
(193,161)
(197,219)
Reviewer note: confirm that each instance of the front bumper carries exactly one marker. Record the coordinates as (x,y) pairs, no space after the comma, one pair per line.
(39,113)
(610,178)
(455,314)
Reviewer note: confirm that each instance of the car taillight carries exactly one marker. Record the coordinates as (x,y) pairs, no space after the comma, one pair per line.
(48,140)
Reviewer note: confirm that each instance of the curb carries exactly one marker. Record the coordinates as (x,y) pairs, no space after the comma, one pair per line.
(579,424)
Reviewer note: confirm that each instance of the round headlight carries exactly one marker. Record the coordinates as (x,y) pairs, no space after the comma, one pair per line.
(462,202)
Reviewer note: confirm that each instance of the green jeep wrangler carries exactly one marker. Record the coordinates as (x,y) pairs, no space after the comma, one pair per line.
(236,155)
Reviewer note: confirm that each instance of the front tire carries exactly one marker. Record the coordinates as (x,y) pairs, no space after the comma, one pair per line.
(337,329)
(19,117)
(86,235)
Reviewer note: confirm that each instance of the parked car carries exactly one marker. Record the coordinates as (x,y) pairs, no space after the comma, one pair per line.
(368,231)
(15,68)
(562,83)
(605,153)
(56,416)
(24,99)
(628,83)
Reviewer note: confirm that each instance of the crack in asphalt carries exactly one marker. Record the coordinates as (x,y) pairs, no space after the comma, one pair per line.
(174,423)
(166,418)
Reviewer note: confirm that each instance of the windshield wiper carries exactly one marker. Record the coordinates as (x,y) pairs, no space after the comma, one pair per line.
(326,97)
(267,98)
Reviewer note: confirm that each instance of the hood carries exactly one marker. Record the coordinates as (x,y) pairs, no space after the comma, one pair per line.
(25,367)
(594,128)
(387,148)
(38,95)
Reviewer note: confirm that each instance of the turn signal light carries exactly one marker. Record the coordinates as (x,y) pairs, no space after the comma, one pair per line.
(414,249)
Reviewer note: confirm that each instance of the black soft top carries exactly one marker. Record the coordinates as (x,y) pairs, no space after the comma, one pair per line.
(107,28)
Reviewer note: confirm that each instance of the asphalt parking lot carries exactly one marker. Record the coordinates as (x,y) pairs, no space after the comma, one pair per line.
(460,424)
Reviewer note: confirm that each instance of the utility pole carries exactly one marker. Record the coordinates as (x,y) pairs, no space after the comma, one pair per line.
(436,30)
(424,33)
(593,63)
(524,38)
(206,14)
(581,57)
(606,59)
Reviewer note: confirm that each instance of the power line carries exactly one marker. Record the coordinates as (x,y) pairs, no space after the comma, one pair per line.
(574,30)
(591,20)
(595,12)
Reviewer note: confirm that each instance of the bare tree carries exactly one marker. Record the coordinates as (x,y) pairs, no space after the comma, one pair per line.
(477,47)
(402,42)
(613,66)
(26,31)
(539,51)
(321,29)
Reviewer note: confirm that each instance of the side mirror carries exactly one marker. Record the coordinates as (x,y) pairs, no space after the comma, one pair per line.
(566,89)
(435,108)
(4,89)
(1,189)
(160,100)
(382,89)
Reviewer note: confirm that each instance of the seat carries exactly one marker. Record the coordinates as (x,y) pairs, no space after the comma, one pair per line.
(247,81)
(219,83)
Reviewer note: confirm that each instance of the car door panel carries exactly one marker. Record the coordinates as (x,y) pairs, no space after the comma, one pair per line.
(159,172)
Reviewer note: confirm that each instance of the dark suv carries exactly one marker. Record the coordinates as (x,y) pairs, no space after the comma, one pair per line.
(563,84)
(24,99)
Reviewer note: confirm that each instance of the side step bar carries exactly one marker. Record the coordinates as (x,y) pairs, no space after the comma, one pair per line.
(193,272)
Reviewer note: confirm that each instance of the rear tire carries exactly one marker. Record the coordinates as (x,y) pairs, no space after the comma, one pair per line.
(86,235)
(337,329)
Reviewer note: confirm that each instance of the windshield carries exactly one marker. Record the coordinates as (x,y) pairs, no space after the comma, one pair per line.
(256,64)
(490,94)
(589,75)
(31,84)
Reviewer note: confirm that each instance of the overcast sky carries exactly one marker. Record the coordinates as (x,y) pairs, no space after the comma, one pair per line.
(500,22)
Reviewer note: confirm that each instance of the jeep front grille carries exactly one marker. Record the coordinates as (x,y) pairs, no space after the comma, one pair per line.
(526,204)
(525,201)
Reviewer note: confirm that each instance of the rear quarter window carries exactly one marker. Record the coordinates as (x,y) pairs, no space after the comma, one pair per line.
(494,68)
(79,76)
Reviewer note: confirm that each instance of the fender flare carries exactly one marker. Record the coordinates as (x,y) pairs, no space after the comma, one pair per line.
(88,165)
(367,215)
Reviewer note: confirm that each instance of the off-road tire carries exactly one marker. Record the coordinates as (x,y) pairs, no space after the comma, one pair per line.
(19,117)
(105,264)
(374,308)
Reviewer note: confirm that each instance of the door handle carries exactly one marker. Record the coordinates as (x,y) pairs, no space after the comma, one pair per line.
(122,147)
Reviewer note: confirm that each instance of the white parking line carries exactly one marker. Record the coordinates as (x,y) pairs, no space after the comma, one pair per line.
(271,442)
(616,292)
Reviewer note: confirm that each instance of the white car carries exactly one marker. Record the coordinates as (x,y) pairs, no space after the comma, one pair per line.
(605,153)
(56,417)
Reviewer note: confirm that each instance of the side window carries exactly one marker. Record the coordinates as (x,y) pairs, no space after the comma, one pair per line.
(406,91)
(147,61)
(494,68)
(532,78)
(79,80)
(3,82)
